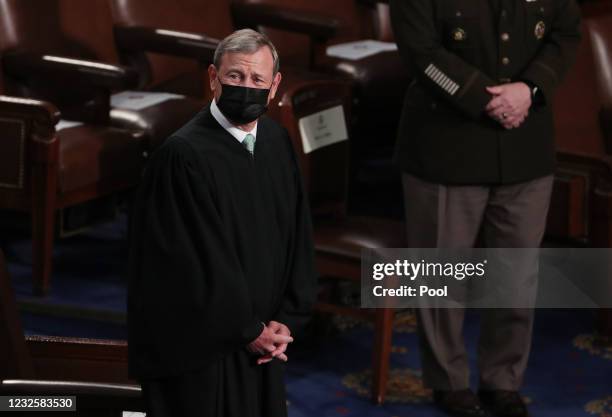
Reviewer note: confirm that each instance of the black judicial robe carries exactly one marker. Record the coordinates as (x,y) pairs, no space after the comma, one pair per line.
(220,242)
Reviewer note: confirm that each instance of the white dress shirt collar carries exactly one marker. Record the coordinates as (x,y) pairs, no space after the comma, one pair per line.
(227,125)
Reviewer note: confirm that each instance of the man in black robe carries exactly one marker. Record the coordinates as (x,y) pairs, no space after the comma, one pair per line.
(221,258)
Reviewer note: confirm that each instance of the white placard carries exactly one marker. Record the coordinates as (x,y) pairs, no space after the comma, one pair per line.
(323,128)
(360,49)
(66,124)
(139,100)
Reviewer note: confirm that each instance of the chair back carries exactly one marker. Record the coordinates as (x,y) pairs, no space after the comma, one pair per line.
(68,28)
(382,22)
(355,22)
(600,32)
(65,27)
(577,106)
(324,169)
(208,17)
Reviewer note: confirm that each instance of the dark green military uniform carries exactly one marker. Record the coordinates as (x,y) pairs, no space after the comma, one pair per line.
(467,180)
(459,47)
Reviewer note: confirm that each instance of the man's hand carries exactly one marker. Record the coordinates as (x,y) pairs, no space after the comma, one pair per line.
(271,343)
(510,104)
(279,352)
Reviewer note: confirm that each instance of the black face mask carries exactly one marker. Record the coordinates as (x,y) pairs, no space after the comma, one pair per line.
(243,105)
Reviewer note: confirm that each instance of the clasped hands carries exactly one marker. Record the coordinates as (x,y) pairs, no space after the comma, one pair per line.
(271,343)
(510,104)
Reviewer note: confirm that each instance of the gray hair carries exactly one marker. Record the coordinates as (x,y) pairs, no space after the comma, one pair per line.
(245,41)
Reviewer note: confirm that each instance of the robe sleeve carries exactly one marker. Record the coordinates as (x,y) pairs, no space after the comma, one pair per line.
(300,292)
(188,302)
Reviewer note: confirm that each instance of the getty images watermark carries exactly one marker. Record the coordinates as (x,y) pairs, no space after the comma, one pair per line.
(486,278)
(421,270)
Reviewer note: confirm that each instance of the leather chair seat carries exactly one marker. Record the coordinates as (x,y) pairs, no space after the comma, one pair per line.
(95,156)
(376,76)
(160,120)
(600,31)
(347,237)
(379,84)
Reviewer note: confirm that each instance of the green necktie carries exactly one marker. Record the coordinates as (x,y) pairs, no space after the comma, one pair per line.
(249,143)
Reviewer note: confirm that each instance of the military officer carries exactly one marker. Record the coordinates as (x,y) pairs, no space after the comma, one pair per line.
(476,148)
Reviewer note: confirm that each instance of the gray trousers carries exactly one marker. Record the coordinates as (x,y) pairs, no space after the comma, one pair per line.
(503,216)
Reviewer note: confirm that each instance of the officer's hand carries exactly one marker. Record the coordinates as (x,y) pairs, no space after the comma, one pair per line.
(510,104)
(513,122)
(268,342)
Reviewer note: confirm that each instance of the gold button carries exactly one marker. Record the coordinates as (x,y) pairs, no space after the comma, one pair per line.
(505,37)
(459,34)
(505,60)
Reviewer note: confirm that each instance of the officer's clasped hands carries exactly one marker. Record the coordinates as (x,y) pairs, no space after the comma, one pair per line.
(509,104)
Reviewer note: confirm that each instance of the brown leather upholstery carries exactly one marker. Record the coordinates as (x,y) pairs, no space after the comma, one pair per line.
(600,31)
(348,236)
(357,20)
(577,106)
(581,194)
(354,23)
(66,28)
(93,156)
(44,171)
(53,50)
(158,121)
(185,15)
(594,8)
(382,22)
(338,237)
(21,371)
(367,73)
(582,200)
(58,26)
(200,24)
(379,83)
(210,17)
(55,27)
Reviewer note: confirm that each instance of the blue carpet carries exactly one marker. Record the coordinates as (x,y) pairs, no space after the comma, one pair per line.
(568,376)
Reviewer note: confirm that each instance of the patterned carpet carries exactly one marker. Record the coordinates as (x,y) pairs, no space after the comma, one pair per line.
(329,373)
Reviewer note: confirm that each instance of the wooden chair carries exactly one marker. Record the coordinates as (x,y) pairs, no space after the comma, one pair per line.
(599,29)
(44,171)
(55,52)
(93,371)
(49,46)
(171,43)
(378,87)
(339,238)
(582,196)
